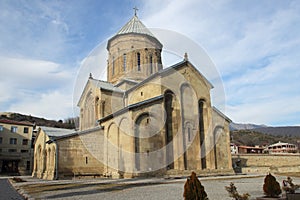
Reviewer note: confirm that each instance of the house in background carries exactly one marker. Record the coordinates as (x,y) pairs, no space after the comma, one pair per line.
(16,147)
(249,149)
(281,147)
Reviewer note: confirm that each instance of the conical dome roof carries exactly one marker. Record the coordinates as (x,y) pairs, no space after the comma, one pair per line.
(135,26)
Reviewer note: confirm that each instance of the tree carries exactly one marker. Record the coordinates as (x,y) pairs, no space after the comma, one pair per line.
(193,190)
(271,186)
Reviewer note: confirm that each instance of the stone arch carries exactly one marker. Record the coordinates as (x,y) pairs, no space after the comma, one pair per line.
(48,162)
(169,99)
(189,133)
(202,129)
(97,107)
(44,158)
(40,159)
(88,119)
(112,143)
(139,141)
(53,160)
(220,150)
(126,146)
(188,101)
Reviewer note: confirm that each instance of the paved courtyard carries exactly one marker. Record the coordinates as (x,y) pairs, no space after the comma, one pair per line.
(7,192)
(136,189)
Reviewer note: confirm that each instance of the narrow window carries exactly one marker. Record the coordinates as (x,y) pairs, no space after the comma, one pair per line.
(1,128)
(124,62)
(25,130)
(201,132)
(0,140)
(113,66)
(86,160)
(13,129)
(138,61)
(189,134)
(151,65)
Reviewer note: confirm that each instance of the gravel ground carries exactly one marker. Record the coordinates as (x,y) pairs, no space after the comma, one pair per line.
(136,189)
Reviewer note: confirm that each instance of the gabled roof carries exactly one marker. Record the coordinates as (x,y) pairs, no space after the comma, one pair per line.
(169,70)
(102,85)
(221,114)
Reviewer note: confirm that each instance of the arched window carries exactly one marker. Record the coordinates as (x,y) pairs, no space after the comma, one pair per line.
(151,64)
(113,66)
(124,62)
(189,134)
(168,101)
(97,109)
(138,61)
(201,105)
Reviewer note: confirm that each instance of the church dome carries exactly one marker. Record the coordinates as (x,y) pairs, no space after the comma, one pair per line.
(134,53)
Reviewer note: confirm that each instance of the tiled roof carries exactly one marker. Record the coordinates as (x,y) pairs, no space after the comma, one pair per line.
(135,26)
(8,121)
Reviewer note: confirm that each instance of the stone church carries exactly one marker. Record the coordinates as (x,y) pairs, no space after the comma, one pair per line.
(145,120)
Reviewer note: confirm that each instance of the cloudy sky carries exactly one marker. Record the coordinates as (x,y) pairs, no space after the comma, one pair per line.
(255,46)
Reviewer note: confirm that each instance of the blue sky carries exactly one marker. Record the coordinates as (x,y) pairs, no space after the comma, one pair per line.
(255,46)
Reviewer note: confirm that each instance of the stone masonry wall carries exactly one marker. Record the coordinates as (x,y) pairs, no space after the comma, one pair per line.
(263,163)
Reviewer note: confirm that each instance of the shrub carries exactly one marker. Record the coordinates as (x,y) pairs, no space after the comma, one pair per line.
(231,189)
(289,186)
(271,186)
(193,190)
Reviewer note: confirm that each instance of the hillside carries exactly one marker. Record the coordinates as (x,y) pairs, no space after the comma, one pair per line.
(253,137)
(276,131)
(291,131)
(67,123)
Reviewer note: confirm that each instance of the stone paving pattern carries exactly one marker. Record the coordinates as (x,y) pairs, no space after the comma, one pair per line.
(7,192)
(136,189)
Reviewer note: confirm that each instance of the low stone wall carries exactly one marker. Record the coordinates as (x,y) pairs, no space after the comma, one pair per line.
(263,163)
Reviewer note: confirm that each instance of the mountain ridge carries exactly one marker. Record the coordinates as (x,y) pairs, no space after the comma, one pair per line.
(288,131)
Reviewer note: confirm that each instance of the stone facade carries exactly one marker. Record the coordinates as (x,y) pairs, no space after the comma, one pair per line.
(144,120)
(264,163)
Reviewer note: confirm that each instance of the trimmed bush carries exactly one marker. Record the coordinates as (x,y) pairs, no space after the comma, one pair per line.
(193,190)
(271,186)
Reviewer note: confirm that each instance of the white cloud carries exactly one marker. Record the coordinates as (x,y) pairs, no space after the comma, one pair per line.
(55,104)
(255,45)
(35,87)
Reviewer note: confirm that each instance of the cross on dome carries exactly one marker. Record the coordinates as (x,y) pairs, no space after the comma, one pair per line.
(135,10)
